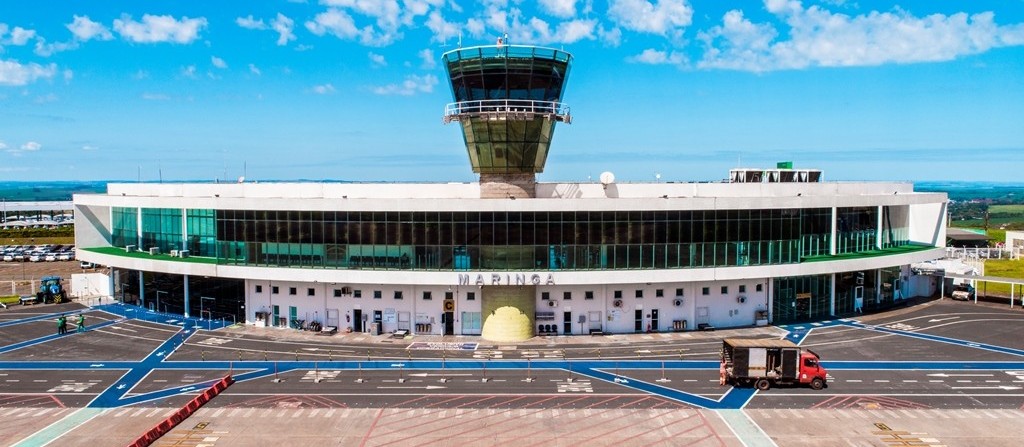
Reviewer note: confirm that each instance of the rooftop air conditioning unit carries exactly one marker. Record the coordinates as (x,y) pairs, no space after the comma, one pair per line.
(174,253)
(552,303)
(154,250)
(182,253)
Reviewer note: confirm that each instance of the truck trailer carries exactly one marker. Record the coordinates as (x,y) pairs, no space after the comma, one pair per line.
(762,363)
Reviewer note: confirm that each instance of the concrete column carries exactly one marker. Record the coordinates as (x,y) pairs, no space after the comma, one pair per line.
(878,285)
(138,229)
(769,286)
(878,228)
(184,229)
(142,289)
(186,297)
(832,240)
(832,295)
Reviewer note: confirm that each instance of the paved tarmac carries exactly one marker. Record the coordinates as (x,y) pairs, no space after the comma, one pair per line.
(935,373)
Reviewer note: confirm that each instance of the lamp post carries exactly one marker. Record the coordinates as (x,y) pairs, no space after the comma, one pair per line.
(202,300)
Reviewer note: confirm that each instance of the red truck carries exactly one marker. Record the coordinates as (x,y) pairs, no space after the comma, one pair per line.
(766,362)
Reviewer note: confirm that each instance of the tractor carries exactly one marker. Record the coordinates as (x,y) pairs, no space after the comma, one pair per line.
(51,291)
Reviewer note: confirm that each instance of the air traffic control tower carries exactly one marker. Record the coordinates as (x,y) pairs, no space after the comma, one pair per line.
(508,100)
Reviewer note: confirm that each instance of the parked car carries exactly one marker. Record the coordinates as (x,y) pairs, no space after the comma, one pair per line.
(962,292)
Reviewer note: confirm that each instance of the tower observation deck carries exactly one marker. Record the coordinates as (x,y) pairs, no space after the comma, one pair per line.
(508,100)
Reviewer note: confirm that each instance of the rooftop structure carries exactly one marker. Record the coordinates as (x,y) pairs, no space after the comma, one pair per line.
(508,101)
(509,258)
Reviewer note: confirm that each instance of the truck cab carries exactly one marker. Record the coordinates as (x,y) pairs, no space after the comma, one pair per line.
(811,371)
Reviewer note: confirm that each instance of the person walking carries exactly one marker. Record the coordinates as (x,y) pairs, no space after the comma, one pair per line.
(81,322)
(62,325)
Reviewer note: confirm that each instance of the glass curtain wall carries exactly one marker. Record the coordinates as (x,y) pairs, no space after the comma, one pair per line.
(801,298)
(124,225)
(856,229)
(161,228)
(202,233)
(515,241)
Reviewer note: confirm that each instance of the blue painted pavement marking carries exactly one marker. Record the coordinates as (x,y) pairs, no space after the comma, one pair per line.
(35,341)
(111,396)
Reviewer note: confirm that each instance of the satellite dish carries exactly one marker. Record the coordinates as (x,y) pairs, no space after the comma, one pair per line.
(241,179)
(607,178)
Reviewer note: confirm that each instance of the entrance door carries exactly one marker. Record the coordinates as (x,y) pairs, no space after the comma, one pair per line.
(332,318)
(638,324)
(357,320)
(703,317)
(858,299)
(654,320)
(567,323)
(277,315)
(449,323)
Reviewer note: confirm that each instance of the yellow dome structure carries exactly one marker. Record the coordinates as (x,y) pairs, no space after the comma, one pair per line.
(507,324)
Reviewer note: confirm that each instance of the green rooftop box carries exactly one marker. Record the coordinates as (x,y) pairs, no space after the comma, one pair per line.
(784,165)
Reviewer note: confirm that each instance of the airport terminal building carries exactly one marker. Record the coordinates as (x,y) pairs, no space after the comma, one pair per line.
(508,257)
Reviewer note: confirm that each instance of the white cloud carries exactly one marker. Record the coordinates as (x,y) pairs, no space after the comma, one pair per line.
(255,70)
(250,22)
(427,56)
(140,75)
(442,29)
(284,26)
(14,73)
(818,37)
(218,62)
(189,71)
(657,57)
(377,59)
(664,17)
(84,29)
(559,8)
(68,75)
(575,30)
(20,36)
(156,29)
(333,21)
(48,49)
(412,85)
(387,15)
(90,148)
(475,27)
(30,146)
(324,89)
(500,19)
(155,96)
(610,37)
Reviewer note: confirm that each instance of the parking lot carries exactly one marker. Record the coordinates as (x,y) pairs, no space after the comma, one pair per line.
(37,253)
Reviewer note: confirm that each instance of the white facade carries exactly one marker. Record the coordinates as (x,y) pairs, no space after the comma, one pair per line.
(695,295)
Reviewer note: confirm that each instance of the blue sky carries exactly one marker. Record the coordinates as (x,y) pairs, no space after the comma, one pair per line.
(354,89)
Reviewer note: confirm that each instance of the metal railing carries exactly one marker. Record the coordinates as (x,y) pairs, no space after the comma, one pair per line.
(515,108)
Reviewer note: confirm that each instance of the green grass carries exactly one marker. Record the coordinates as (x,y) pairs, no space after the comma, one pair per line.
(869,254)
(1007,209)
(1005,268)
(118,251)
(37,240)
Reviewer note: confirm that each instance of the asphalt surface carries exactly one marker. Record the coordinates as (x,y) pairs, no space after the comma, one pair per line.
(931,372)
